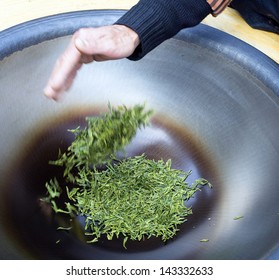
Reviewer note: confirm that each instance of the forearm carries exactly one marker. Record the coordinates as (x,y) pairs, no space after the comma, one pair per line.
(158,20)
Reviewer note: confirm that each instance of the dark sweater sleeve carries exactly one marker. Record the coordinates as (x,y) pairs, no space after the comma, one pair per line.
(158,20)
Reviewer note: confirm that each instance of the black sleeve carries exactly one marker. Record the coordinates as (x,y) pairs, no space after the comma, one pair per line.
(158,20)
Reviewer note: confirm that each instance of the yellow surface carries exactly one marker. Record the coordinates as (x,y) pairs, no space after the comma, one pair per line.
(13,12)
(231,22)
(16,11)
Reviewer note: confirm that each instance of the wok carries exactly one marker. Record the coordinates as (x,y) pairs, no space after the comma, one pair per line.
(216,112)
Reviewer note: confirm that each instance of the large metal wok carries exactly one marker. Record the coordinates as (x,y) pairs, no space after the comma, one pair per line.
(216,102)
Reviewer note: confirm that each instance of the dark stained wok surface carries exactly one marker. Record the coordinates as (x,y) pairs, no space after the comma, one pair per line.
(216,112)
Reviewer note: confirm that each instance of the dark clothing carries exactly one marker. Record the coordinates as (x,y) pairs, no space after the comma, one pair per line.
(158,20)
(260,14)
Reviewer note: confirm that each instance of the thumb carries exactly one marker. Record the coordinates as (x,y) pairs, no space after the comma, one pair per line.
(82,44)
(85,48)
(86,40)
(95,44)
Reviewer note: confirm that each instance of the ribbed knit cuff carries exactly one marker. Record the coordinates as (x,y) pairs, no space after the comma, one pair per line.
(158,20)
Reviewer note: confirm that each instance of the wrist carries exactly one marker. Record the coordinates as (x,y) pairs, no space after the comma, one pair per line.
(157,21)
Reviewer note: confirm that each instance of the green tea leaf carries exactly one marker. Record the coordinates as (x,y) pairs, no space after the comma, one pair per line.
(102,137)
(134,198)
(204,240)
(238,217)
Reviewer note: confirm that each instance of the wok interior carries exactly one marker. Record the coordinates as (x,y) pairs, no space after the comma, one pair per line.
(211,116)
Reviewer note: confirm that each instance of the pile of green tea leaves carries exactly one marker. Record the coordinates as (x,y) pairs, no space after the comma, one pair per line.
(132,198)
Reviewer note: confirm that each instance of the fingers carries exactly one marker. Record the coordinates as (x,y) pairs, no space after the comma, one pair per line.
(67,65)
(88,44)
(64,72)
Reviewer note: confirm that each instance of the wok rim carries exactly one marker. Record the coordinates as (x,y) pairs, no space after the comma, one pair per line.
(36,31)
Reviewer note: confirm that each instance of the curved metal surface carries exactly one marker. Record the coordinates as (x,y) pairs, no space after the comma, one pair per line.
(216,104)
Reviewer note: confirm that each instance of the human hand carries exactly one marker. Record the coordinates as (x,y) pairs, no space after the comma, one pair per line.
(88,45)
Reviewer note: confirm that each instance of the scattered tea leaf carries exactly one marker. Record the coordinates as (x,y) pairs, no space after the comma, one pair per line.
(204,240)
(238,217)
